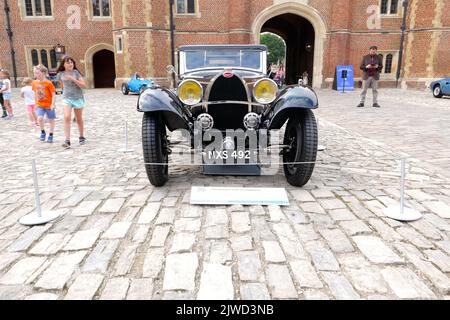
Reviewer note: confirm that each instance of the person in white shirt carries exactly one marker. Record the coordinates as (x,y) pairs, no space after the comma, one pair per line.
(5,114)
(6,92)
(28,94)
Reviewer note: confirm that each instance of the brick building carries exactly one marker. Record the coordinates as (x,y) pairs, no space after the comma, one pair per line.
(110,39)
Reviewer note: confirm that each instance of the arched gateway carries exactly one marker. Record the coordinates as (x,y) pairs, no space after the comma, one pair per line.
(100,66)
(303,30)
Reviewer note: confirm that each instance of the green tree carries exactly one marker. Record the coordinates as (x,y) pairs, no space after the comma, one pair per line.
(276,46)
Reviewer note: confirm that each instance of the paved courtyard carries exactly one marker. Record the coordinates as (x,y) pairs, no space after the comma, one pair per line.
(120,238)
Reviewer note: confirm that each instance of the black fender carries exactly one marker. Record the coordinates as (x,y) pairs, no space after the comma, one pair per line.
(162,101)
(291,101)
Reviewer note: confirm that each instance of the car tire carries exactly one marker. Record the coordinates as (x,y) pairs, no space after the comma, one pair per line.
(437,92)
(155,149)
(301,135)
(125,89)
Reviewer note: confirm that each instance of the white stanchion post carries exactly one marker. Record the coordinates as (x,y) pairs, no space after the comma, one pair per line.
(37,217)
(320,147)
(402,185)
(401,213)
(125,149)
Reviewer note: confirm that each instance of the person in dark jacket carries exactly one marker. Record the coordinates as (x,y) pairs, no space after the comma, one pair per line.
(4,115)
(371,65)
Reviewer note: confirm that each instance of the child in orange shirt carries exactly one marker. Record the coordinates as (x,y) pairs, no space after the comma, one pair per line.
(45,94)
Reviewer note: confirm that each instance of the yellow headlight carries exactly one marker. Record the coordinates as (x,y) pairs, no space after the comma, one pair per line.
(265,91)
(190,92)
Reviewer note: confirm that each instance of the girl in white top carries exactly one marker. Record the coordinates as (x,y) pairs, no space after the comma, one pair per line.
(5,90)
(28,94)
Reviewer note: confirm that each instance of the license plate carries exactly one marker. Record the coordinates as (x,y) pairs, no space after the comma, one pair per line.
(228,154)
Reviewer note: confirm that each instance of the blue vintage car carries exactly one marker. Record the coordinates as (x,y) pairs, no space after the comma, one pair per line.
(136,84)
(440,88)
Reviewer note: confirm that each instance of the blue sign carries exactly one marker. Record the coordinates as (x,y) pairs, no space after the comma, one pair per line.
(345,78)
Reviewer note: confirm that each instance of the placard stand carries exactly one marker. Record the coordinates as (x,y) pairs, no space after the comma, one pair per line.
(37,217)
(399,212)
(125,149)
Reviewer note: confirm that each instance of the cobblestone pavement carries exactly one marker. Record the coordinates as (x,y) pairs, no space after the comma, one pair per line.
(120,238)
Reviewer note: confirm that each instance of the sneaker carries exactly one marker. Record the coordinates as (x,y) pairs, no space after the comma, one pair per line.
(66,144)
(376,105)
(360,105)
(4,115)
(50,138)
(42,137)
(82,140)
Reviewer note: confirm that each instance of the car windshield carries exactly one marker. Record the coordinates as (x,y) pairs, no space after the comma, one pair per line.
(197,59)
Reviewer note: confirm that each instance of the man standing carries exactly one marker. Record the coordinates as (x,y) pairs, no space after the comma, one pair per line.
(371,65)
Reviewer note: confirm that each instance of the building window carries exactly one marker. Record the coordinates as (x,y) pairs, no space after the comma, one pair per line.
(389,7)
(388,64)
(185,6)
(394,6)
(38,8)
(34,57)
(119,44)
(53,60)
(384,5)
(100,8)
(43,56)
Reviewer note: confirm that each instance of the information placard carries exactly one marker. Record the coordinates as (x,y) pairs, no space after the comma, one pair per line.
(243,196)
(345,78)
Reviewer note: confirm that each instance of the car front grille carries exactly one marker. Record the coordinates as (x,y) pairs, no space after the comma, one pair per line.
(228,115)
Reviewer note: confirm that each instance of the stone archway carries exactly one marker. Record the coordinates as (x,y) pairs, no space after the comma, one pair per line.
(89,61)
(104,69)
(307,16)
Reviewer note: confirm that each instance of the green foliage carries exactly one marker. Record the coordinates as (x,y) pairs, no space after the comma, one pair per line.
(276,46)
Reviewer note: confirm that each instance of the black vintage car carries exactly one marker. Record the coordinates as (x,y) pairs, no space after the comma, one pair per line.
(223,91)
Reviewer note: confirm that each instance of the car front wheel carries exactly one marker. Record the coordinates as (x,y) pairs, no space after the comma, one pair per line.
(437,92)
(125,89)
(155,149)
(300,154)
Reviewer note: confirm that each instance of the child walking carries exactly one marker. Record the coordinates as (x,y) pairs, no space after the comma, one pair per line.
(28,94)
(45,94)
(72,82)
(6,92)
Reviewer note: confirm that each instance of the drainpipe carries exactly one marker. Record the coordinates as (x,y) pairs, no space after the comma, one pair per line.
(10,38)
(172,38)
(400,55)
